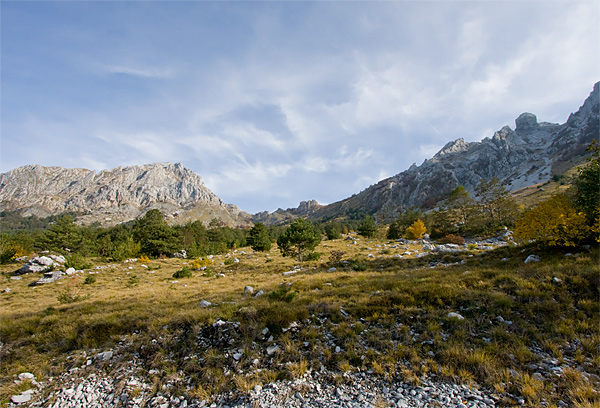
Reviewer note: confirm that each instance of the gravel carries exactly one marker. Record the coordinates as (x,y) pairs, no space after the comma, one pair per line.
(315,389)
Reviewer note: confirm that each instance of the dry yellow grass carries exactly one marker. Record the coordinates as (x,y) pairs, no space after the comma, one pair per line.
(384,297)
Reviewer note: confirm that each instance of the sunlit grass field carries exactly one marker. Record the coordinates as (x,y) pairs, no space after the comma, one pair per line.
(376,312)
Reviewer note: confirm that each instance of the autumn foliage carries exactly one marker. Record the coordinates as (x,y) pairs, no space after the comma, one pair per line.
(554,222)
(417,230)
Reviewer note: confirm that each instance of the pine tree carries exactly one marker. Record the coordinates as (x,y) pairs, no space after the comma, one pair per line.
(298,238)
(367,227)
(259,238)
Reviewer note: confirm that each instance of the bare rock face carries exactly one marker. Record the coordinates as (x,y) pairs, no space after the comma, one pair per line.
(114,196)
(519,158)
(281,216)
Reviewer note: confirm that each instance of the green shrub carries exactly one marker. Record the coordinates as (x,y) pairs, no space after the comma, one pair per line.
(77,261)
(89,280)
(184,272)
(358,266)
(313,256)
(133,280)
(283,293)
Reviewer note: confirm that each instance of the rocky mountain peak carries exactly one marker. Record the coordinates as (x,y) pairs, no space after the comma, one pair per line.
(113,196)
(526,123)
(455,146)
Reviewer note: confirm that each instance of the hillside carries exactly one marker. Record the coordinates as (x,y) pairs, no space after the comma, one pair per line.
(115,196)
(384,324)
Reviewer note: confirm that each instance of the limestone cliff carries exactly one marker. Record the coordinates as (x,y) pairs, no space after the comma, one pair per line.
(114,196)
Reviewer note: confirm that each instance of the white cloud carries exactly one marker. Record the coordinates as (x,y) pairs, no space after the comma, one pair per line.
(288,101)
(143,72)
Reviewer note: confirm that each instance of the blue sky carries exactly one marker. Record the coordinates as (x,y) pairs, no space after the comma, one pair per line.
(277,102)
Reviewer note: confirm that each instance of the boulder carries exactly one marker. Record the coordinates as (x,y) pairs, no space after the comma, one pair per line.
(26,376)
(58,258)
(49,277)
(21,399)
(36,265)
(43,260)
(107,355)
(248,290)
(532,258)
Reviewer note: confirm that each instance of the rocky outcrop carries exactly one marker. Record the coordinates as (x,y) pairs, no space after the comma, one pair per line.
(528,155)
(281,216)
(114,196)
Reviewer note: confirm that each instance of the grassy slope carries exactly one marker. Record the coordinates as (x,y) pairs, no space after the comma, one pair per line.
(536,193)
(398,324)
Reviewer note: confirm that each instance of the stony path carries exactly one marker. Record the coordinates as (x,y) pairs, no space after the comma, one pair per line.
(313,390)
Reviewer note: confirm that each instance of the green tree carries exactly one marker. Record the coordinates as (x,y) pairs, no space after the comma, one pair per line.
(587,187)
(333,230)
(154,235)
(496,204)
(462,205)
(259,237)
(299,238)
(367,227)
(65,235)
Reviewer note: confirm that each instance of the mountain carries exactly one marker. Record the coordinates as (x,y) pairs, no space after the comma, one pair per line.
(530,154)
(114,196)
(281,216)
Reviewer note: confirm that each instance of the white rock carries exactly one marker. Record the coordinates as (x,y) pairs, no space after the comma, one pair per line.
(532,258)
(272,350)
(43,260)
(26,376)
(20,399)
(456,316)
(205,303)
(107,355)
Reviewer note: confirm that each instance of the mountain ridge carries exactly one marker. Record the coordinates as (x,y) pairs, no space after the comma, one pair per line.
(116,195)
(528,155)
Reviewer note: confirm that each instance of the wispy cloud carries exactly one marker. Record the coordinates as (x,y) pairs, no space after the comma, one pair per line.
(142,72)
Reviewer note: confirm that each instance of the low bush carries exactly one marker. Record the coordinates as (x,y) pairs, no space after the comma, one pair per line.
(313,256)
(77,261)
(184,272)
(452,239)
(283,293)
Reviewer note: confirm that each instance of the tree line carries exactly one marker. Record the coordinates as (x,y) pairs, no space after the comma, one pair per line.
(563,219)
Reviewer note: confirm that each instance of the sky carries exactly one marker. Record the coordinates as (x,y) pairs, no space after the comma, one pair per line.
(277,102)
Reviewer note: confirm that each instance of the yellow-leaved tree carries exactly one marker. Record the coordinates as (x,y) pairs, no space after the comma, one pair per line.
(553,222)
(416,230)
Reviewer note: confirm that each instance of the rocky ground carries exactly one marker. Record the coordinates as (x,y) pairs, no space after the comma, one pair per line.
(315,389)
